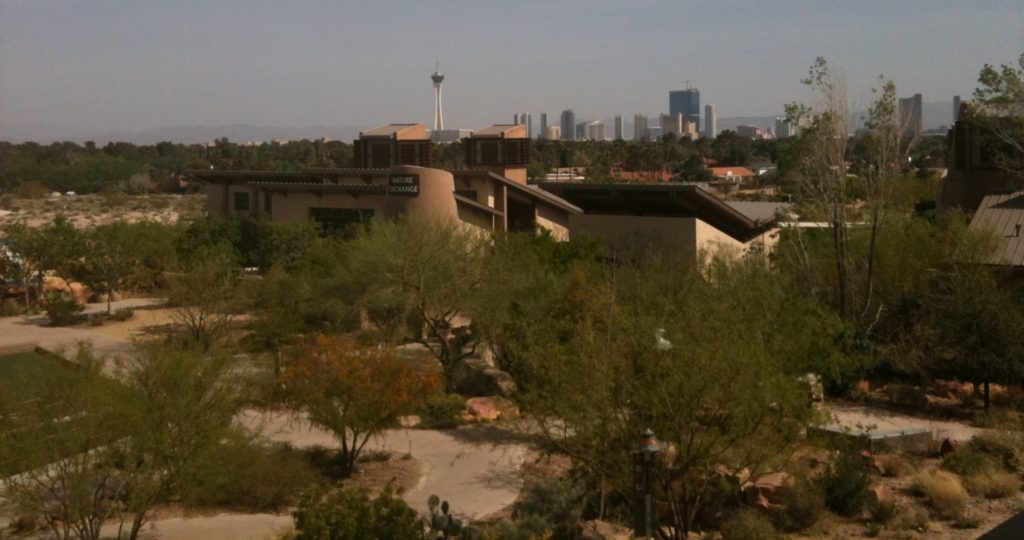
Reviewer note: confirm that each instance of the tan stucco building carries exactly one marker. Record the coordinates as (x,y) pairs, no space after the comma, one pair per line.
(393,177)
(671,217)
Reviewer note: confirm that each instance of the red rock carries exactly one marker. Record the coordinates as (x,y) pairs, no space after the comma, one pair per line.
(79,291)
(488,409)
(883,493)
(863,386)
(763,492)
(54,283)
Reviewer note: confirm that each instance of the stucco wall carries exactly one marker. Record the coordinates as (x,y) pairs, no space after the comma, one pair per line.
(625,235)
(554,220)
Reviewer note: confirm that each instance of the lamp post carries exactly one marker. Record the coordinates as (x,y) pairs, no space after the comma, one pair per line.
(643,481)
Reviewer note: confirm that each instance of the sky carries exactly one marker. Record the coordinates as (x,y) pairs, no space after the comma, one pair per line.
(88,67)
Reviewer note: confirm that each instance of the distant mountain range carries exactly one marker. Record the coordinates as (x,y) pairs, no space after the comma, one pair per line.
(936,114)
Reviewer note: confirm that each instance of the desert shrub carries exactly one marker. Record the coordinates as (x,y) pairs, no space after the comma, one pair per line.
(801,504)
(967,462)
(10,307)
(906,395)
(31,190)
(532,528)
(557,502)
(62,310)
(350,514)
(993,484)
(943,489)
(882,511)
(441,411)
(1012,397)
(96,319)
(966,520)
(748,524)
(847,485)
(1007,447)
(915,520)
(244,475)
(897,465)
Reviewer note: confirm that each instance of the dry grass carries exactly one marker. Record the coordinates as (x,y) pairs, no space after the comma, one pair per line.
(993,484)
(945,492)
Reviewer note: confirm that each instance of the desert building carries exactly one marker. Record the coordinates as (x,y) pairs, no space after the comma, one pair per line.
(671,217)
(394,177)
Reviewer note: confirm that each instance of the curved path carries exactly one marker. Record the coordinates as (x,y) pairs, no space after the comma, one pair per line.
(474,468)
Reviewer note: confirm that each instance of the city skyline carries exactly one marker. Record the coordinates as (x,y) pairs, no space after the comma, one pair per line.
(81,69)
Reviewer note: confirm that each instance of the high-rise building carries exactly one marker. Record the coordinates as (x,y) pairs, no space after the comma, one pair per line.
(515,119)
(581,131)
(686,102)
(618,127)
(438,78)
(568,122)
(553,133)
(784,129)
(595,131)
(672,123)
(543,126)
(910,116)
(710,121)
(956,108)
(529,125)
(639,127)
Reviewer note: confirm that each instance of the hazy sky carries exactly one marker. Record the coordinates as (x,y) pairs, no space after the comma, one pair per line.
(101,66)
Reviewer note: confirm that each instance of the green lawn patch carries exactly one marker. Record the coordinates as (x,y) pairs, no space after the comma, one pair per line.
(24,376)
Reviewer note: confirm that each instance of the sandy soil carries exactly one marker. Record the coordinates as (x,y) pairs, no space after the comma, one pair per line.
(147,323)
(860,418)
(92,210)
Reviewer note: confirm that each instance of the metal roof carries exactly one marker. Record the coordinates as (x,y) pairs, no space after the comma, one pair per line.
(674,199)
(1003,215)
(534,192)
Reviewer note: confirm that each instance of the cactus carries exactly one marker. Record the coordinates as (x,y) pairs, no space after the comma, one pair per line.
(441,524)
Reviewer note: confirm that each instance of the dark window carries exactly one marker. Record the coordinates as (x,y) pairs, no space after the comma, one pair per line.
(339,220)
(407,154)
(241,201)
(488,153)
(380,155)
(467,193)
(517,152)
(267,204)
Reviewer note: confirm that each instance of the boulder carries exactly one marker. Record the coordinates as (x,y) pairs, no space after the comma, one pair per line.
(883,493)
(489,409)
(602,530)
(948,446)
(764,492)
(478,377)
(80,292)
(409,421)
(54,283)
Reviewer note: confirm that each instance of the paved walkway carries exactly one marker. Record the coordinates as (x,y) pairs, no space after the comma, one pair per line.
(474,468)
(31,331)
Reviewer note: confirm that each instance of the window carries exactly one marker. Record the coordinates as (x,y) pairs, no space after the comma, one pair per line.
(467,193)
(339,220)
(241,201)
(267,204)
(380,155)
(488,152)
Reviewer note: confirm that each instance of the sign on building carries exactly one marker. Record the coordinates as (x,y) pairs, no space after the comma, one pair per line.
(404,184)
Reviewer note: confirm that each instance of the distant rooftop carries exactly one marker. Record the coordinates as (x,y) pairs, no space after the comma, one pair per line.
(496,130)
(1003,215)
(394,129)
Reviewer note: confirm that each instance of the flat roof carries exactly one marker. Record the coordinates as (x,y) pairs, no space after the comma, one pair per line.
(495,130)
(660,199)
(1003,215)
(388,130)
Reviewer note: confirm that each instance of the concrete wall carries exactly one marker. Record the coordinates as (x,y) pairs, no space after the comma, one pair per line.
(688,237)
(554,220)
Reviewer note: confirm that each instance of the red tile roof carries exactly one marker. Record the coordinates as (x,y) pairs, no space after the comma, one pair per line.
(733,172)
(641,176)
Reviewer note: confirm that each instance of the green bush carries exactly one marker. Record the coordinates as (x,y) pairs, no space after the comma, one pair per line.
(906,395)
(748,525)
(882,511)
(967,462)
(531,528)
(10,307)
(557,502)
(801,504)
(122,314)
(441,411)
(244,475)
(847,485)
(62,310)
(350,514)
(1005,447)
